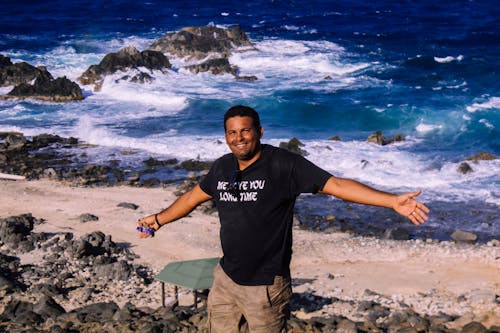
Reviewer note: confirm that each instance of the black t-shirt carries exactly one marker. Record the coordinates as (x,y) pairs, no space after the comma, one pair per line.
(256,211)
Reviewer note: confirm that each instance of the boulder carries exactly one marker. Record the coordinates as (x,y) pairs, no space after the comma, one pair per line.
(97,312)
(47,307)
(152,162)
(294,146)
(6,284)
(215,66)
(460,236)
(47,89)
(88,217)
(464,168)
(15,141)
(14,74)
(126,58)
(481,156)
(44,140)
(248,78)
(195,165)
(380,139)
(20,312)
(120,270)
(14,231)
(96,238)
(128,205)
(474,327)
(199,42)
(10,276)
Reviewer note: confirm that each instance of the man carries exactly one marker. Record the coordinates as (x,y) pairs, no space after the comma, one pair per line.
(254,189)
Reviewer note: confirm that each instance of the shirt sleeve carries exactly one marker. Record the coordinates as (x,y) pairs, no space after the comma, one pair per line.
(205,183)
(308,177)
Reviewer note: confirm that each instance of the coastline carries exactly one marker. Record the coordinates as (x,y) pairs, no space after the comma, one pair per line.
(427,277)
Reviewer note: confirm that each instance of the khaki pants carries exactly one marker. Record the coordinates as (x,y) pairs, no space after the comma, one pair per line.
(233,308)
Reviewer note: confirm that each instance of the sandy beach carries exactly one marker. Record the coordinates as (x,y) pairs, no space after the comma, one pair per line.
(429,277)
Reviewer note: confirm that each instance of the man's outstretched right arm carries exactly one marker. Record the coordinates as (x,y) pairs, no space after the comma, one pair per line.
(180,208)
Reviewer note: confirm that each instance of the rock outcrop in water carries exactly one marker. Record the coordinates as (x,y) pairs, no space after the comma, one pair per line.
(200,42)
(12,74)
(211,44)
(380,139)
(44,87)
(127,58)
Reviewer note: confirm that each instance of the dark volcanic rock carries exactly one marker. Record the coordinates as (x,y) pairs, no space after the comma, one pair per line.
(14,232)
(215,66)
(460,236)
(48,89)
(87,217)
(14,74)
(120,270)
(14,141)
(10,277)
(97,312)
(199,42)
(126,58)
(474,327)
(380,139)
(47,307)
(128,205)
(195,165)
(464,168)
(42,158)
(294,146)
(481,156)
(20,312)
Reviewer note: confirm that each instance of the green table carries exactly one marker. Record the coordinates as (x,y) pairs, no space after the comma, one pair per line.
(193,274)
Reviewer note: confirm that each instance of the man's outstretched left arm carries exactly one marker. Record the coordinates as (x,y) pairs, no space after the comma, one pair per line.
(404,204)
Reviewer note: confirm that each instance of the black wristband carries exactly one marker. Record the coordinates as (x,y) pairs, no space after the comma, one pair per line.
(156,221)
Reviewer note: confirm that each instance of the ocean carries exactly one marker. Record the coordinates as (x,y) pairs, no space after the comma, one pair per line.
(428,70)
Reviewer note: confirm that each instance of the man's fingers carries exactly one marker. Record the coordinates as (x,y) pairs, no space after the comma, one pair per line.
(423,207)
(418,216)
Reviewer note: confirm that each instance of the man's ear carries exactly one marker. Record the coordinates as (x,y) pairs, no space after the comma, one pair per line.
(261,132)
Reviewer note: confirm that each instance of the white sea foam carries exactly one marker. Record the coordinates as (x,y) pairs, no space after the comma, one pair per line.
(65,61)
(448,59)
(139,43)
(165,144)
(285,64)
(492,103)
(5,90)
(146,94)
(424,128)
(486,123)
(394,168)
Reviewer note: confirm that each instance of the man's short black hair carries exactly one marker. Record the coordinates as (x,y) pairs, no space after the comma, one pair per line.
(242,111)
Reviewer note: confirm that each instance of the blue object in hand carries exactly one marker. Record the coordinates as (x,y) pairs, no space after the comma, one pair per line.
(149,231)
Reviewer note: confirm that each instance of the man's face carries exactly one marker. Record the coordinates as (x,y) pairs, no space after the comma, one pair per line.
(242,137)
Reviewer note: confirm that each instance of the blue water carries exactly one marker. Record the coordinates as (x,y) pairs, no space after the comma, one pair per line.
(428,70)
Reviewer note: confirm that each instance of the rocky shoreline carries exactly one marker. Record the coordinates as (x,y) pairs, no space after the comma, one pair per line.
(56,282)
